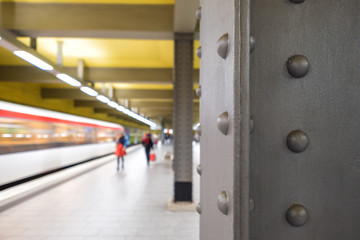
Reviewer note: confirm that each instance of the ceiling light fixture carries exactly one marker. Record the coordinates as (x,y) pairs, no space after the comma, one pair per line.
(69,80)
(33,60)
(89,91)
(136,116)
(112,104)
(103,99)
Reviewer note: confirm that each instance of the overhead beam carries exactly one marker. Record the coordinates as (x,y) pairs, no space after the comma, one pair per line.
(89,103)
(185,19)
(61,93)
(103,75)
(26,74)
(112,19)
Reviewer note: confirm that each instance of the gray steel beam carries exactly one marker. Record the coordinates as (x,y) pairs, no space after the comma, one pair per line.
(305,105)
(224,120)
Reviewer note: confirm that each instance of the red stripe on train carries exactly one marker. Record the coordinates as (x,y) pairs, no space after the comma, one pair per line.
(10,114)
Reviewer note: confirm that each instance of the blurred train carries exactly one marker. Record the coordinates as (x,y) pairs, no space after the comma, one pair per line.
(34,141)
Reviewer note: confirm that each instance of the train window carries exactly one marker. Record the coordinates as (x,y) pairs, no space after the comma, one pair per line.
(17,135)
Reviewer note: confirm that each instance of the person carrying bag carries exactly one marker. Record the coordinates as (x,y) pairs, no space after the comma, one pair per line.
(120,151)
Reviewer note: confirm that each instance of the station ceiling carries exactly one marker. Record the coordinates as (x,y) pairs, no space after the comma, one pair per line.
(125,45)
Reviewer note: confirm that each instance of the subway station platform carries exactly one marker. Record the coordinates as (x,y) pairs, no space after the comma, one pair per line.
(107,204)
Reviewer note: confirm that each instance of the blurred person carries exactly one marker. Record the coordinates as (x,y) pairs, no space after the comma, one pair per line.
(148,144)
(120,150)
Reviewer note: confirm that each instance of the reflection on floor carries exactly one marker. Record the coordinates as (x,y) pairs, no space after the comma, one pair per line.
(106,204)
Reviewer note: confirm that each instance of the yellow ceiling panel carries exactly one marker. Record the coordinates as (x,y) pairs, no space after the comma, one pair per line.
(110,52)
(104,52)
(96,1)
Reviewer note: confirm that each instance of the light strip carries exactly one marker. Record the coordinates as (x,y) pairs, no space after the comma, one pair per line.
(136,116)
(112,104)
(103,99)
(89,91)
(69,80)
(33,60)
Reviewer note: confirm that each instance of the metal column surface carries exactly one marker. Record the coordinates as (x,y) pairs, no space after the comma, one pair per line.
(305,104)
(224,119)
(183,117)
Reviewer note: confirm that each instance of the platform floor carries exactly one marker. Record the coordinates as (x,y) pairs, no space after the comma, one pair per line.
(105,204)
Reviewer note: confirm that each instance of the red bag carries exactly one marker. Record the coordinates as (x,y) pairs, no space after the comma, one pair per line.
(120,150)
(152,157)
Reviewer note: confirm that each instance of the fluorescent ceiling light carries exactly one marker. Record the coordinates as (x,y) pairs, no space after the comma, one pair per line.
(6,135)
(112,104)
(120,108)
(103,99)
(135,116)
(69,80)
(33,60)
(89,91)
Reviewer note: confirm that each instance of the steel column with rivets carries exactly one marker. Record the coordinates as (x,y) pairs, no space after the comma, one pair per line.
(183,117)
(224,119)
(305,103)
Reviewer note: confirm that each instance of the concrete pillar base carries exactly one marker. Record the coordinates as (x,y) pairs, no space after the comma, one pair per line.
(181,206)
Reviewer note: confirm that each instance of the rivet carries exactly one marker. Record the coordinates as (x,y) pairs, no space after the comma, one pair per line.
(223,202)
(252,44)
(198,13)
(198,208)
(297,1)
(223,123)
(297,141)
(251,204)
(252,125)
(198,130)
(298,66)
(297,215)
(198,52)
(223,45)
(198,169)
(198,91)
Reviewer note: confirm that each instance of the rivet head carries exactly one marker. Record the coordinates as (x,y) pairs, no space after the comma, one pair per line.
(297,215)
(252,125)
(198,130)
(297,1)
(198,169)
(223,202)
(251,204)
(198,13)
(198,52)
(223,45)
(298,66)
(198,208)
(297,141)
(223,123)
(252,44)
(198,91)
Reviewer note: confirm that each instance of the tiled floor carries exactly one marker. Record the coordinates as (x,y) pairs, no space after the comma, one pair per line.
(105,204)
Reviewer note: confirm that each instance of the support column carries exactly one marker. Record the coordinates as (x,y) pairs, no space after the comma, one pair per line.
(183,117)
(162,131)
(33,43)
(59,56)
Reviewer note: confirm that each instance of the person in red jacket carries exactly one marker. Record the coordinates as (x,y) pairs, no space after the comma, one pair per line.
(148,144)
(120,150)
